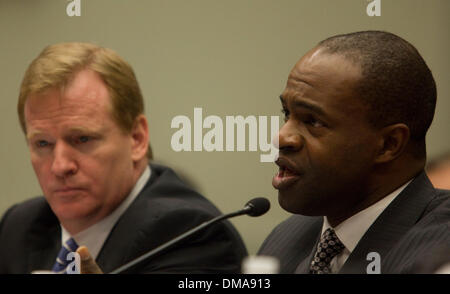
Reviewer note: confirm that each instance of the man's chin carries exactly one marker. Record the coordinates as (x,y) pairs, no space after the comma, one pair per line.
(297,204)
(71,211)
(65,216)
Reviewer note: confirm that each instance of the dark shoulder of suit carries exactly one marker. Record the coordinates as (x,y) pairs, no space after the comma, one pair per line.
(411,235)
(164,209)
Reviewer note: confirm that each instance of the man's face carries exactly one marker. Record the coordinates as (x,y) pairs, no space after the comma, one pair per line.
(326,144)
(83,161)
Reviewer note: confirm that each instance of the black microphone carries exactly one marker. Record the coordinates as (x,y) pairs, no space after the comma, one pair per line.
(255,207)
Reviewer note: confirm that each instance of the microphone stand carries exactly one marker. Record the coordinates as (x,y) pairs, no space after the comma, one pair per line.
(163,247)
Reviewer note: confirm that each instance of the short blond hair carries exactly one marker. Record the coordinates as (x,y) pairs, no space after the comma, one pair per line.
(57,64)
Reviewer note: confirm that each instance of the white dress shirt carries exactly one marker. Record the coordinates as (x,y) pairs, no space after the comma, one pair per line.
(94,236)
(353,229)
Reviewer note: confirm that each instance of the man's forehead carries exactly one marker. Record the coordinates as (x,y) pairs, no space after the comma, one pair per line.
(327,80)
(300,85)
(303,70)
(319,62)
(53,110)
(324,72)
(75,97)
(83,85)
(47,107)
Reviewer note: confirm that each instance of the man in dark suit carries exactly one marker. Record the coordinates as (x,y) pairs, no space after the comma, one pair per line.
(352,154)
(81,110)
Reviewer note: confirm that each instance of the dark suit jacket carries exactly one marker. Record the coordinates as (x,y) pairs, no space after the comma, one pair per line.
(410,232)
(30,235)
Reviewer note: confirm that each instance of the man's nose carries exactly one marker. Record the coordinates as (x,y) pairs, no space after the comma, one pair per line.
(64,163)
(289,139)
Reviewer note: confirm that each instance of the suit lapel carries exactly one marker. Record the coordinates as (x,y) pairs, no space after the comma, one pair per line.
(391,225)
(295,244)
(125,236)
(122,238)
(44,258)
(303,267)
(44,241)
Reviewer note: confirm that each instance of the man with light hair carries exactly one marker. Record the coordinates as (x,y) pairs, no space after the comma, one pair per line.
(82,112)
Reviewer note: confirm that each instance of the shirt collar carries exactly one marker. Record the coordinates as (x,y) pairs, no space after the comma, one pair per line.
(352,229)
(94,236)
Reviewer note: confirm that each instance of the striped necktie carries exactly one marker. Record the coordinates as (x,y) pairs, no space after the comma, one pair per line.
(62,261)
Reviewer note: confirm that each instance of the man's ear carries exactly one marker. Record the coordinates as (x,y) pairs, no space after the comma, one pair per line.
(139,137)
(392,142)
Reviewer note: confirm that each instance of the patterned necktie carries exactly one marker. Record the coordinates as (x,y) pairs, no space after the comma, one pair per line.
(329,246)
(61,263)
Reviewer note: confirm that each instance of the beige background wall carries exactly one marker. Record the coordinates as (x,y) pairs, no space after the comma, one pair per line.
(230,57)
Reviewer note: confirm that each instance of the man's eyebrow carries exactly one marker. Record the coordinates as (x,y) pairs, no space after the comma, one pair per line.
(312,107)
(83,130)
(304,104)
(32,134)
(75,130)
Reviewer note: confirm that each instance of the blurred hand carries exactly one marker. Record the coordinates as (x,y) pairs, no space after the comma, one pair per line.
(87,263)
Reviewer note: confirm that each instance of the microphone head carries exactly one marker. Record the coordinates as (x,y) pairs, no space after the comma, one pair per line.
(257,206)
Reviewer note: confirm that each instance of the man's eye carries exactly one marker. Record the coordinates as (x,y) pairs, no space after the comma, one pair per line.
(285,113)
(313,122)
(41,143)
(83,139)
